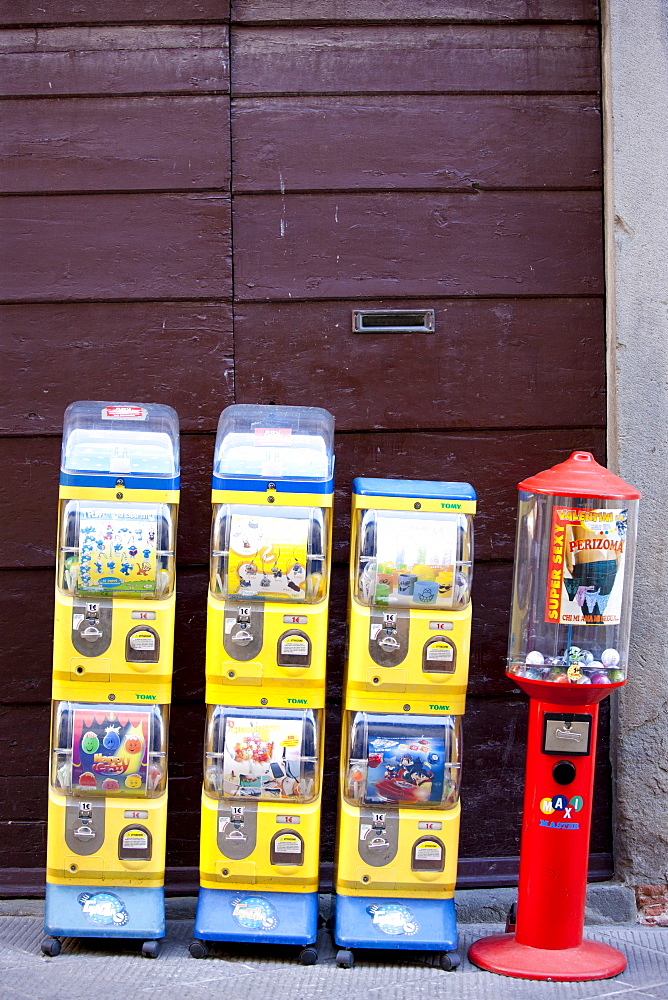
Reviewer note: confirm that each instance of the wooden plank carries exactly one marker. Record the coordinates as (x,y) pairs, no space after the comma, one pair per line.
(491,788)
(28,883)
(33,589)
(26,621)
(415,59)
(169,352)
(118,59)
(328,11)
(493,778)
(417,244)
(113,246)
(29,500)
(490,363)
(115,144)
(449,143)
(493,461)
(94,12)
(32,648)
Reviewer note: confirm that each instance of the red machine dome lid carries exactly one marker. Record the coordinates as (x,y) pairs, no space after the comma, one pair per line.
(579,476)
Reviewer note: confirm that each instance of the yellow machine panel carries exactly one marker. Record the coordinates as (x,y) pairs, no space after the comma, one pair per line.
(265,677)
(409,622)
(112,672)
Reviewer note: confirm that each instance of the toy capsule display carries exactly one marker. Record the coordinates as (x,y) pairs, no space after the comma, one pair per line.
(409,621)
(265,677)
(112,669)
(568,649)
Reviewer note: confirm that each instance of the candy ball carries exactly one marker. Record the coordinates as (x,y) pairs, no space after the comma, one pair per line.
(595,667)
(560,679)
(586,657)
(533,674)
(584,679)
(615,676)
(573,654)
(599,679)
(609,657)
(535,658)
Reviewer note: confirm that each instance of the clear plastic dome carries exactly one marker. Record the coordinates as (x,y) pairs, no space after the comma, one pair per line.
(572,589)
(121,439)
(274,443)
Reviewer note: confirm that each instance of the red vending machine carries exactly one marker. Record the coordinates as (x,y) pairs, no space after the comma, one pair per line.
(568,649)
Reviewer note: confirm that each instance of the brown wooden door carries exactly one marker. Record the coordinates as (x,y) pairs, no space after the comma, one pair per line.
(197,199)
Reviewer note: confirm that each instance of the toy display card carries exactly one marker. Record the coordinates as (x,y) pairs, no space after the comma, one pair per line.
(415,562)
(586,566)
(406,770)
(118,550)
(268,557)
(263,757)
(110,751)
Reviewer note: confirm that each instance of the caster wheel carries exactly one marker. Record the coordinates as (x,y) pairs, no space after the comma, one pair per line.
(449,961)
(308,956)
(345,959)
(51,947)
(150,949)
(198,949)
(511,919)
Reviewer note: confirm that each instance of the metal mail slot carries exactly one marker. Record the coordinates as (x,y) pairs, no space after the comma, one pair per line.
(393,321)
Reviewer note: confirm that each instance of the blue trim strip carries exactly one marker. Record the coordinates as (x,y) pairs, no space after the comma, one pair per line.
(104,481)
(395,923)
(282,485)
(413,488)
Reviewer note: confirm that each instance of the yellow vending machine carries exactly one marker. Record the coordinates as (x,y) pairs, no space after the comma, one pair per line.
(273,482)
(112,671)
(409,621)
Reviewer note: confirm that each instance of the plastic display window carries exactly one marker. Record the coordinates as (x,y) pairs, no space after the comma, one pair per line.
(257,556)
(116,550)
(571,615)
(411,762)
(262,755)
(413,560)
(118,751)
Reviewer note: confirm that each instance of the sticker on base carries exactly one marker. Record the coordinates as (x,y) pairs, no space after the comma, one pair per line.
(393,919)
(254,913)
(103,909)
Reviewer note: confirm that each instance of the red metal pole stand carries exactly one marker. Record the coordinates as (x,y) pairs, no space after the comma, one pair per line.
(548,943)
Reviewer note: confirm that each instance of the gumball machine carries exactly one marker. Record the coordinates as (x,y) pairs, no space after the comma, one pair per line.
(112,673)
(409,627)
(273,482)
(568,649)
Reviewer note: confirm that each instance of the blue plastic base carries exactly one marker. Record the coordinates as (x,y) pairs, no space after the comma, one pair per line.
(257,917)
(104,911)
(408,924)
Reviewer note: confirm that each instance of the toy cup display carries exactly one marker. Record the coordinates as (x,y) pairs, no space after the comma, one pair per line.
(425,592)
(568,649)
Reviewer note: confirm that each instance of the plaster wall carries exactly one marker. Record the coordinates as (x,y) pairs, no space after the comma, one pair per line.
(635,78)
